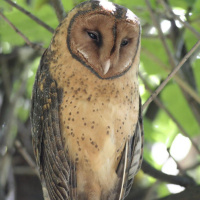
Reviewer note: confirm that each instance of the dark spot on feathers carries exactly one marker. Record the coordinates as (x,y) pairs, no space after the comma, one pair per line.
(89,98)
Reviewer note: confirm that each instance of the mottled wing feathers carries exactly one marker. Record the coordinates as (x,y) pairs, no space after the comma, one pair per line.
(47,144)
(131,160)
(137,153)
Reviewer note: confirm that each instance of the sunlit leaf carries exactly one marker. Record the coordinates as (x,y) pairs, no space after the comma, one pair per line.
(154,46)
(68,5)
(177,105)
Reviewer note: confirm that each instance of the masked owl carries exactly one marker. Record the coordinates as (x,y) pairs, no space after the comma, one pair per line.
(86,112)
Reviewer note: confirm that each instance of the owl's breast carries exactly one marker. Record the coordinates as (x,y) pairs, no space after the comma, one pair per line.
(97,116)
(96,120)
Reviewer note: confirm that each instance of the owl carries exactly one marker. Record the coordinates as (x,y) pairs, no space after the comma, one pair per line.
(86,111)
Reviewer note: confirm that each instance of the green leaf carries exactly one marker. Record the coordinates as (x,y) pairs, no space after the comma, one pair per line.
(150,66)
(23,110)
(33,31)
(68,5)
(40,3)
(179,3)
(162,129)
(190,2)
(162,190)
(175,102)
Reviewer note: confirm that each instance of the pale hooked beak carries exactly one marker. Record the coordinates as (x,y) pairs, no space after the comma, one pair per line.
(106,67)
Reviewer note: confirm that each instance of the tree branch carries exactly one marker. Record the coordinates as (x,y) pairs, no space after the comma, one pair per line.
(37,20)
(34,46)
(59,9)
(184,85)
(162,85)
(26,156)
(160,33)
(184,181)
(171,14)
(186,71)
(160,104)
(192,193)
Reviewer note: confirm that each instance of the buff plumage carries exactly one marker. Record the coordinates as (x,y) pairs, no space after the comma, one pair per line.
(86,115)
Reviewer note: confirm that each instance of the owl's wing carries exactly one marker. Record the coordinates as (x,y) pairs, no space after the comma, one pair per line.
(55,168)
(131,160)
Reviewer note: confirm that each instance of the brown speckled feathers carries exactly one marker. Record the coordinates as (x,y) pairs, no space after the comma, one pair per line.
(86,112)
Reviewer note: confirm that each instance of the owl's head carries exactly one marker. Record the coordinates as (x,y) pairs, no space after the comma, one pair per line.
(104,36)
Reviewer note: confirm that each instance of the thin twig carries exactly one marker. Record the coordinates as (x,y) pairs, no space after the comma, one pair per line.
(174,16)
(178,180)
(160,104)
(160,33)
(37,20)
(59,9)
(184,85)
(26,156)
(162,85)
(192,104)
(9,119)
(34,46)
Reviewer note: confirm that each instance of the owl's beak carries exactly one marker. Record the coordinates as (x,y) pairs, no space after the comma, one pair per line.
(106,66)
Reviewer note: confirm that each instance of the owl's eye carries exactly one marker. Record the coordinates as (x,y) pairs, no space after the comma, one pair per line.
(124,42)
(93,35)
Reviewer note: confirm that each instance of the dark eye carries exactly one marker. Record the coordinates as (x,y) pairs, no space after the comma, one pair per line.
(124,42)
(93,35)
